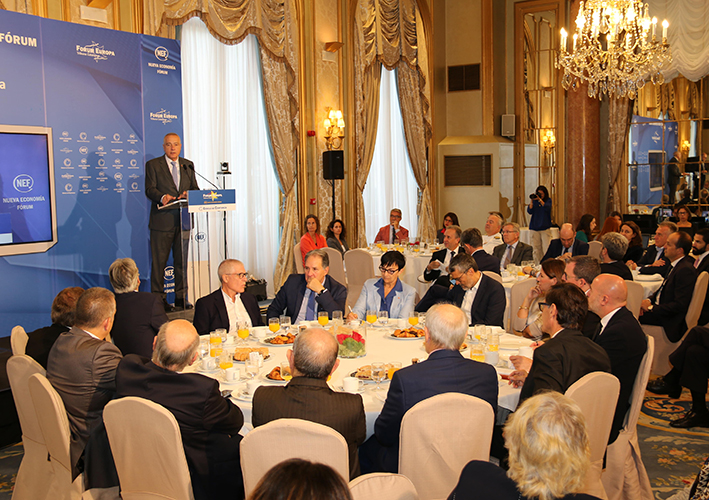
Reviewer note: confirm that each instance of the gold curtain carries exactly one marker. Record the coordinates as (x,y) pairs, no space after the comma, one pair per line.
(620,111)
(275,24)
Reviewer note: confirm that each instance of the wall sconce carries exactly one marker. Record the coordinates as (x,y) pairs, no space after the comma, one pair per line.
(685,147)
(334,128)
(548,141)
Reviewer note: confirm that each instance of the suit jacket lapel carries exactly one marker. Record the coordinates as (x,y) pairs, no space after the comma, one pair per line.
(222,308)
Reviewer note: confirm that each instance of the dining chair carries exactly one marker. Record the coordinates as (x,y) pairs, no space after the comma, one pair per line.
(285,438)
(298,258)
(359,268)
(665,347)
(625,477)
(494,276)
(433,456)
(596,395)
(517,294)
(383,486)
(18,340)
(595,249)
(634,297)
(34,476)
(54,423)
(147,447)
(336,270)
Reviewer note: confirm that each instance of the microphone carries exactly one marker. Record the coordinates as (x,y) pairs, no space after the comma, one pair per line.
(192,167)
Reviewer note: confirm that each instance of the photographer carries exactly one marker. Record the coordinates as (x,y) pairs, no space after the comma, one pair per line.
(540,208)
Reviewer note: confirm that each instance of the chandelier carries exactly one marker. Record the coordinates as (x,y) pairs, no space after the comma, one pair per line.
(612,50)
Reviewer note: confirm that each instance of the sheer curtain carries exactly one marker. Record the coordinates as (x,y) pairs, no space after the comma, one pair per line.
(225,121)
(391,183)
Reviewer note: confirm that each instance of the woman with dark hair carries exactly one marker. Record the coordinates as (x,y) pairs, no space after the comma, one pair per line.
(335,236)
(297,479)
(311,238)
(450,219)
(632,233)
(611,225)
(540,209)
(528,320)
(684,223)
(587,225)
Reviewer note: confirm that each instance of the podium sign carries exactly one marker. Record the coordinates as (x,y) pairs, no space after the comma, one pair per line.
(211,200)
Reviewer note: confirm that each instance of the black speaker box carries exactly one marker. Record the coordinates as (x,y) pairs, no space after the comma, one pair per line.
(333,165)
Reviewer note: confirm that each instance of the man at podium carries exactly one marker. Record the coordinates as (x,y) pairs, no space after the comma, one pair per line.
(168,178)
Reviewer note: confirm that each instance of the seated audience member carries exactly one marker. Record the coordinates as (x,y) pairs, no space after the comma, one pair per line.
(528,319)
(82,369)
(493,238)
(617,215)
(684,223)
(632,233)
(307,396)
(482,299)
(512,251)
(439,262)
(621,337)
(669,305)
(335,236)
(581,271)
(229,304)
(63,307)
(472,243)
(139,315)
(585,228)
(654,260)
(611,225)
(209,424)
(303,295)
(445,370)
(297,479)
(393,232)
(689,369)
(700,252)
(568,355)
(450,219)
(548,459)
(387,293)
(566,246)
(311,239)
(614,247)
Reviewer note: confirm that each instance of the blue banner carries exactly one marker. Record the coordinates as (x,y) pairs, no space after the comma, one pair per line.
(653,143)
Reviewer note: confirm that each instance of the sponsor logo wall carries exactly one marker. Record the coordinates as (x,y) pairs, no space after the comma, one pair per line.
(110,97)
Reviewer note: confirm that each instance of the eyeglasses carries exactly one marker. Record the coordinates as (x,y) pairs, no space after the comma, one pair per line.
(540,304)
(385,270)
(241,276)
(395,216)
(509,232)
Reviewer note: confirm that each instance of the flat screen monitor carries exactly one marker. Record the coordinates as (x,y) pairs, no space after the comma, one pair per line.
(28,215)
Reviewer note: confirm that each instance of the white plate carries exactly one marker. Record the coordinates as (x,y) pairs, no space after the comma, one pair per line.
(242,396)
(369,380)
(208,372)
(339,388)
(270,381)
(647,277)
(265,341)
(391,336)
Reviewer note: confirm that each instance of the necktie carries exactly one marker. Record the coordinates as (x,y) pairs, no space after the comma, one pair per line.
(174,172)
(311,307)
(393,235)
(657,298)
(508,256)
(597,331)
(695,264)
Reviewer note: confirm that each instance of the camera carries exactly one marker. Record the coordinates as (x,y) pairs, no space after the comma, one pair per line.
(533,196)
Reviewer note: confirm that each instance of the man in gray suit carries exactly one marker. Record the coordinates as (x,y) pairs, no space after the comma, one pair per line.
(512,251)
(168,178)
(82,369)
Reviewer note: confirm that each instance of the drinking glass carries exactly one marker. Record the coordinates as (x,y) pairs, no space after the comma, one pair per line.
(371,317)
(222,334)
(204,348)
(477,352)
(478,331)
(383,318)
(285,322)
(493,342)
(422,318)
(338,318)
(242,331)
(393,367)
(225,360)
(286,371)
(378,374)
(323,318)
(274,325)
(252,367)
(215,338)
(216,349)
(413,318)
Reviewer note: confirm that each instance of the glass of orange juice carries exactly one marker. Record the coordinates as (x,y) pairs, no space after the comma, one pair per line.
(323,318)
(371,317)
(274,325)
(225,360)
(286,371)
(393,367)
(477,353)
(216,350)
(493,342)
(242,331)
(413,318)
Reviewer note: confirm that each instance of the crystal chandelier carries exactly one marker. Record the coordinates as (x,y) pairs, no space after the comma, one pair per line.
(611,49)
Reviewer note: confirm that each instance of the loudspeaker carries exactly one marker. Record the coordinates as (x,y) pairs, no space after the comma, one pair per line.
(333,165)
(507,125)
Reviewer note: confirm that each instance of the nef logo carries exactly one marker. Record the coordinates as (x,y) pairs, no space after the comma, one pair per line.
(169,273)
(23,183)
(161,53)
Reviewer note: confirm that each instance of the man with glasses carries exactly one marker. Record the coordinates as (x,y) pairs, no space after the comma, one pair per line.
(654,260)
(512,251)
(393,232)
(229,304)
(440,260)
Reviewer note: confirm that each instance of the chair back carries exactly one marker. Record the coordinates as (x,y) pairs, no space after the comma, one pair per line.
(595,249)
(298,258)
(147,447)
(596,395)
(360,268)
(383,486)
(697,300)
(634,297)
(517,294)
(336,269)
(432,456)
(18,340)
(494,276)
(286,438)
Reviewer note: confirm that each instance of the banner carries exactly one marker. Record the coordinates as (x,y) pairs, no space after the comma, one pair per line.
(653,143)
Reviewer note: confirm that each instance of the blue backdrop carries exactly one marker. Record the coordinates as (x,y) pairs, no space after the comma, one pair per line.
(109,97)
(653,143)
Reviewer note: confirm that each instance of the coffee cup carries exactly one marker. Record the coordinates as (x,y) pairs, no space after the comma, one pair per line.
(526,351)
(232,374)
(352,384)
(251,386)
(492,357)
(209,363)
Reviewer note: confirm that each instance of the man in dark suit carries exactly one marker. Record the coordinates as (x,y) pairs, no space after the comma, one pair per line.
(168,178)
(445,370)
(653,260)
(581,271)
(700,252)
(307,396)
(669,305)
(224,307)
(82,369)
(139,315)
(512,251)
(209,424)
(568,355)
(472,243)
(63,307)
(303,295)
(566,246)
(621,337)
(614,246)
(436,270)
(673,175)
(482,299)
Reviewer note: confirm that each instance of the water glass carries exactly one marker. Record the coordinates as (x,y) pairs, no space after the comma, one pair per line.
(286,371)
(285,323)
(383,318)
(222,334)
(252,367)
(378,374)
(338,318)
(204,348)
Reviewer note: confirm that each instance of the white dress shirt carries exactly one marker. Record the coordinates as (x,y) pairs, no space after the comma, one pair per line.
(468,299)
(236,311)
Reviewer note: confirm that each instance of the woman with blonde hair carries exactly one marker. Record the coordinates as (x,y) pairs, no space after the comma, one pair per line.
(548,457)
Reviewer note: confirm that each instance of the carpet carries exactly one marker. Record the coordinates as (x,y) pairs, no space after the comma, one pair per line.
(10,459)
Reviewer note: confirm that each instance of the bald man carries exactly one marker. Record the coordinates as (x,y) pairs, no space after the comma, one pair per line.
(566,246)
(621,336)
(209,424)
(307,396)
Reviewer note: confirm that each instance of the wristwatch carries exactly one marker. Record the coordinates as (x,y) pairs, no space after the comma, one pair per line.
(322,291)
(650,308)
